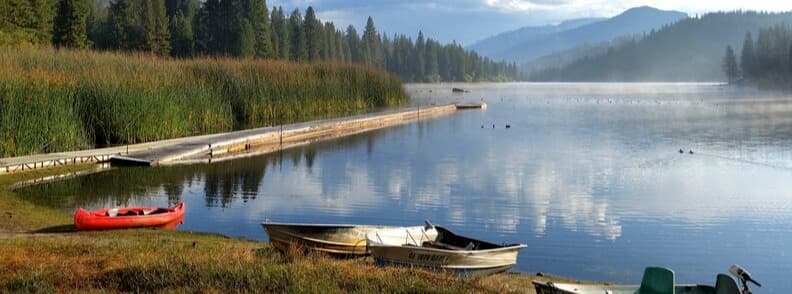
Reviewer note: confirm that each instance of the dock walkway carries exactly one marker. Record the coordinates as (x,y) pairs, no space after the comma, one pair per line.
(206,148)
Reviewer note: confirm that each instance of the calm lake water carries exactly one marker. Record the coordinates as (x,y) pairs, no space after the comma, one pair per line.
(589,176)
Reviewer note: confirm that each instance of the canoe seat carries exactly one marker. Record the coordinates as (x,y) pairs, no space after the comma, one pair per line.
(726,285)
(657,280)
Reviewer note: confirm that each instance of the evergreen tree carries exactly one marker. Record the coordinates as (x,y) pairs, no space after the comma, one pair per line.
(329,44)
(162,35)
(314,34)
(298,46)
(372,45)
(188,8)
(182,37)
(432,66)
(353,45)
(98,26)
(730,65)
(258,16)
(420,52)
(281,28)
(125,25)
(341,46)
(71,24)
(246,41)
(748,57)
(274,38)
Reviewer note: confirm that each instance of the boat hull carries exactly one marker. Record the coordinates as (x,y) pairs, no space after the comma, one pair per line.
(468,263)
(128,218)
(339,240)
(573,288)
(437,248)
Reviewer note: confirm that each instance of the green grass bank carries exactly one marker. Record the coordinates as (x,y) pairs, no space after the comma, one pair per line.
(58,100)
(41,253)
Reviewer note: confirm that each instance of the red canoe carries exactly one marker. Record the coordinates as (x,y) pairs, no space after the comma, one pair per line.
(129,217)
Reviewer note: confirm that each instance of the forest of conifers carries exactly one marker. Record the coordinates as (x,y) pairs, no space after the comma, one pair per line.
(766,62)
(237,28)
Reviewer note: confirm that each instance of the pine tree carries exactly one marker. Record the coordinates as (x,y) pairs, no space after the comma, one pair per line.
(418,57)
(343,50)
(748,58)
(730,65)
(432,65)
(372,45)
(258,16)
(182,37)
(281,29)
(298,44)
(329,49)
(162,35)
(274,38)
(246,40)
(125,25)
(353,45)
(71,24)
(313,35)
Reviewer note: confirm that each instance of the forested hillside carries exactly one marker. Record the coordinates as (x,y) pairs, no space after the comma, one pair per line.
(766,62)
(496,46)
(688,50)
(235,28)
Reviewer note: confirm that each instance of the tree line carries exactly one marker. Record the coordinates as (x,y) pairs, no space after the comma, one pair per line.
(766,61)
(237,28)
(687,50)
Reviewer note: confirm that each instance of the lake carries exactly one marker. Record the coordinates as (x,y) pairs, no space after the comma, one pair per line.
(589,176)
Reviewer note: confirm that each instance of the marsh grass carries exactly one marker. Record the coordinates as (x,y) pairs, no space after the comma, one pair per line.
(56,100)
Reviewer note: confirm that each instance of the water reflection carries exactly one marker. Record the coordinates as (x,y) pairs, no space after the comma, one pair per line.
(589,175)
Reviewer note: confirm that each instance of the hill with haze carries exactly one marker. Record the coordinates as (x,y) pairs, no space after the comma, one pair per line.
(531,42)
(688,50)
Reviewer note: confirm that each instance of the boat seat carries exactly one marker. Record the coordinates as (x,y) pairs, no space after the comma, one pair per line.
(724,284)
(657,280)
(112,212)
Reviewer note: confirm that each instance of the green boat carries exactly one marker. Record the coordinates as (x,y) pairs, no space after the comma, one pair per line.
(656,280)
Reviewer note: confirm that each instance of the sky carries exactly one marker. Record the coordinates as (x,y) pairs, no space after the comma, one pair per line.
(467,21)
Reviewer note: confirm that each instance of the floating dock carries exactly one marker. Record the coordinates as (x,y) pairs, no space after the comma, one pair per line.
(224,146)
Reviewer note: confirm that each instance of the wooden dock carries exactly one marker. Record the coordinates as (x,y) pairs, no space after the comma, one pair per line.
(224,146)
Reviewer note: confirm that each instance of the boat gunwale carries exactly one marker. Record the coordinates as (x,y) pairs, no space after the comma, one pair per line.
(506,247)
(467,252)
(346,226)
(81,213)
(321,241)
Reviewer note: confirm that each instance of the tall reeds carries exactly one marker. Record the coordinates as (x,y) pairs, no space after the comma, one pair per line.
(56,100)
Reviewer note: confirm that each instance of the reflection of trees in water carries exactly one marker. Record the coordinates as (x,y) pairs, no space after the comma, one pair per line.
(112,188)
(224,182)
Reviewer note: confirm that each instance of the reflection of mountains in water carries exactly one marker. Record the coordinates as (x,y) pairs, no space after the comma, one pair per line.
(223,182)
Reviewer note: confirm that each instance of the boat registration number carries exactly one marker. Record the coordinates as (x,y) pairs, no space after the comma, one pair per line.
(427,257)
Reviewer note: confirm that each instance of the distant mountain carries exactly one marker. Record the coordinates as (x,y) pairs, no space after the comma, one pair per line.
(493,46)
(528,43)
(689,50)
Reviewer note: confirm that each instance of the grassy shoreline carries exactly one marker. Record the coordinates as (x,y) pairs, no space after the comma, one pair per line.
(41,253)
(60,100)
